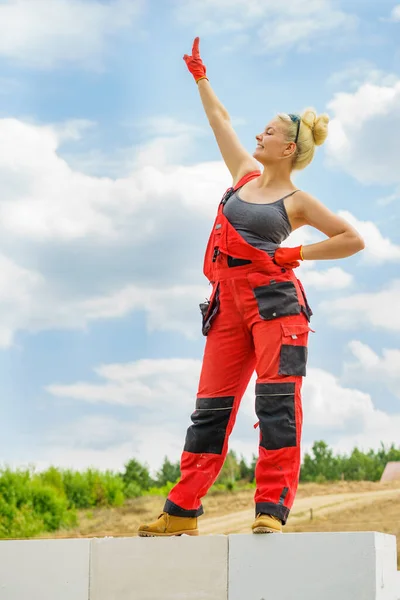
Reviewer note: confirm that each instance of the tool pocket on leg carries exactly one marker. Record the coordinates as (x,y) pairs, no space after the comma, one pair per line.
(294,352)
(209,310)
(278,299)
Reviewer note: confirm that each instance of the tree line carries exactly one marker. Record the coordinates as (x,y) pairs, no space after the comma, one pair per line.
(32,503)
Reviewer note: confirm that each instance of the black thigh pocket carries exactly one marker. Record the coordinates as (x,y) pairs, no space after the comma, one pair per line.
(277,300)
(209,310)
(275,409)
(294,352)
(210,422)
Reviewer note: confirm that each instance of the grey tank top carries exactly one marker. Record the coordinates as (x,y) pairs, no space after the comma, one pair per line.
(264,226)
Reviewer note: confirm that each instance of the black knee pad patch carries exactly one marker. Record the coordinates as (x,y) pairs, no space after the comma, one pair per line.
(275,409)
(210,422)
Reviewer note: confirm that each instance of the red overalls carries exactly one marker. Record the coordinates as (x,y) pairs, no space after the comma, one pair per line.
(257,319)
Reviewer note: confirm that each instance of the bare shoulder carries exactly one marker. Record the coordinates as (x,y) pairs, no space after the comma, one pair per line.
(306,201)
(311,211)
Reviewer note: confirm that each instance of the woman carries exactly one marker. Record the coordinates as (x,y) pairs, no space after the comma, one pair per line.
(258,315)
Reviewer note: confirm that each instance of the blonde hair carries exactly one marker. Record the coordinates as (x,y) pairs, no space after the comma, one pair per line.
(313,132)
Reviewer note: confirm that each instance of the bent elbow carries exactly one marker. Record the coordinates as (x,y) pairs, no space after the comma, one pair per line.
(360,243)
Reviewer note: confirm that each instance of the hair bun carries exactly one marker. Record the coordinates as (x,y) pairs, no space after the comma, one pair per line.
(317,124)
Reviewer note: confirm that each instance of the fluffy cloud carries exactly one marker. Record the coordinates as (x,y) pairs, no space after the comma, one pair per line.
(359,119)
(17,286)
(295,24)
(328,405)
(375,309)
(369,366)
(85,247)
(42,34)
(333,278)
(99,442)
(378,249)
(395,14)
(78,248)
(345,417)
(168,384)
(359,72)
(161,395)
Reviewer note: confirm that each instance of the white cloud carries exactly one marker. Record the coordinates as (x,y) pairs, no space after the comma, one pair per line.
(358,72)
(378,249)
(345,417)
(333,278)
(44,33)
(395,14)
(162,394)
(295,24)
(369,366)
(17,286)
(168,384)
(358,120)
(328,405)
(92,248)
(382,428)
(378,310)
(102,443)
(99,248)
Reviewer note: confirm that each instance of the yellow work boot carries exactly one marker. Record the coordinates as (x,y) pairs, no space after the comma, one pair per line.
(267,524)
(167,525)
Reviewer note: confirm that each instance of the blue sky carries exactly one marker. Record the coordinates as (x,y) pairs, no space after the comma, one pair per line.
(110,179)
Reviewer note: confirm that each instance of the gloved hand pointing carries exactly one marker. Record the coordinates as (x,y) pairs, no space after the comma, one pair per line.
(194,62)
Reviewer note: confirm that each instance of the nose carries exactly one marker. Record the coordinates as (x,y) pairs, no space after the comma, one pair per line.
(258,137)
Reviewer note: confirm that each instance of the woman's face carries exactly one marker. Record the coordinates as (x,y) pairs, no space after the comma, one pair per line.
(272,144)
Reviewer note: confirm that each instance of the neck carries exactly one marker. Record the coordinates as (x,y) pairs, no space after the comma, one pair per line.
(275,177)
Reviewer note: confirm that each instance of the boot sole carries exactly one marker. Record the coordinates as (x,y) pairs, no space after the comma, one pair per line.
(150,534)
(265,530)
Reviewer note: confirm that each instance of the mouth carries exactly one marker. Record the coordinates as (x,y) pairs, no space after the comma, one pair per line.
(259,146)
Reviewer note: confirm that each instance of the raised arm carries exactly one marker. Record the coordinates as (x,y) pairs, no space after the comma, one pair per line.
(236,157)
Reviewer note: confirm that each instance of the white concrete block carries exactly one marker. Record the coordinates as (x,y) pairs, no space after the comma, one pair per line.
(44,569)
(397,586)
(386,567)
(311,566)
(176,568)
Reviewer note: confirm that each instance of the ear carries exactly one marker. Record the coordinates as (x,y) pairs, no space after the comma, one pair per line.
(290,149)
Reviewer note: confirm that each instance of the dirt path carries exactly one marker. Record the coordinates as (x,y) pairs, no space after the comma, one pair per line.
(240,522)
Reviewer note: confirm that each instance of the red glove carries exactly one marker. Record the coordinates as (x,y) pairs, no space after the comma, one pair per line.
(194,62)
(288,257)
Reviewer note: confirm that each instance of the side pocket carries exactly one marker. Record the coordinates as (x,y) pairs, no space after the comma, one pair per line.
(209,310)
(279,299)
(294,352)
(306,308)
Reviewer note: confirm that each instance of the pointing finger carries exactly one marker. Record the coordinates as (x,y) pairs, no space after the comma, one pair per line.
(195,49)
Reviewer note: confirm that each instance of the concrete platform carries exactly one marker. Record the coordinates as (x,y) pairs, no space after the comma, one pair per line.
(297,566)
(332,566)
(168,568)
(44,569)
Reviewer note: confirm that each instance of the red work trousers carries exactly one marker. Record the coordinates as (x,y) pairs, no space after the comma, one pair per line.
(248,334)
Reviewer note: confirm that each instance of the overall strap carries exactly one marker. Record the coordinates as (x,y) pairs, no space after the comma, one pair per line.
(239,184)
(246,178)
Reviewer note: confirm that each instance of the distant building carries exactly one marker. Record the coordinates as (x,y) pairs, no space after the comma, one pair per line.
(391,472)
